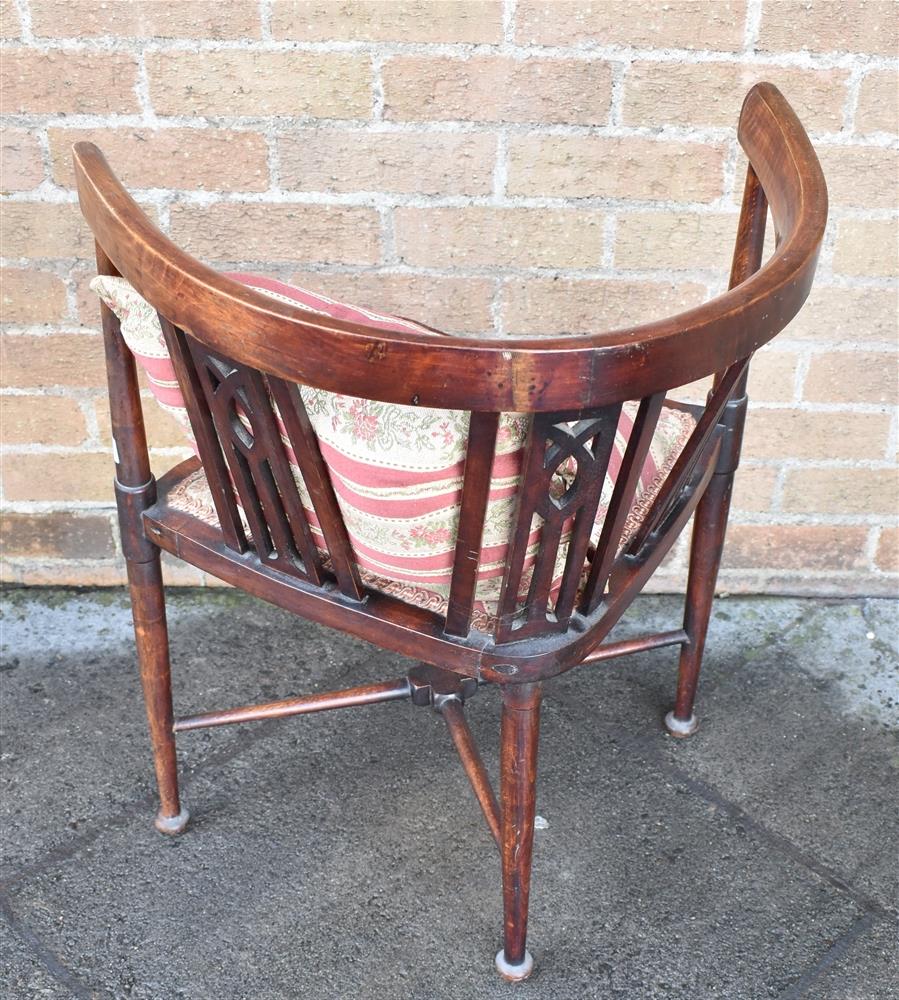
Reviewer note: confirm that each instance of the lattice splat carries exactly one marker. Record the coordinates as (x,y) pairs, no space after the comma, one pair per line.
(240,438)
(249,431)
(562,480)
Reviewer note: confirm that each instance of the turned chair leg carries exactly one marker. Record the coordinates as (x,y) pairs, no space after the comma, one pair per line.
(135,491)
(151,635)
(707,543)
(518,767)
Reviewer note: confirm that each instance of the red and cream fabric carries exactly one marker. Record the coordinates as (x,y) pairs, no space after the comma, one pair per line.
(396,470)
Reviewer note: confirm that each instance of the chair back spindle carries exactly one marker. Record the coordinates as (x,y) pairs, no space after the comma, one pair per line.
(203,427)
(479,457)
(622,498)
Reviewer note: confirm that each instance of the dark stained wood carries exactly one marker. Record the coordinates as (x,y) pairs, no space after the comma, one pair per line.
(381,619)
(239,356)
(454,715)
(692,453)
(434,686)
(539,660)
(151,638)
(208,447)
(404,628)
(623,495)
(705,557)
(590,479)
(555,440)
(315,475)
(710,523)
(475,493)
(511,375)
(611,650)
(135,490)
(248,433)
(365,694)
(750,241)
(132,459)
(519,734)
(446,692)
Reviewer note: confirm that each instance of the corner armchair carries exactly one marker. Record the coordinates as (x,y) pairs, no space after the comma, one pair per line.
(530,487)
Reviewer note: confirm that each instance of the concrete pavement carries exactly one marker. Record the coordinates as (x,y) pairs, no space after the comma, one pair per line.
(342,855)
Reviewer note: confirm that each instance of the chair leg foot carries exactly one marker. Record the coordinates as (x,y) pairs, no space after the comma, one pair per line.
(151,635)
(710,524)
(681,728)
(514,973)
(172,825)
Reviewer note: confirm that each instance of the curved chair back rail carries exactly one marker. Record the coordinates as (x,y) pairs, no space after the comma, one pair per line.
(481,374)
(239,354)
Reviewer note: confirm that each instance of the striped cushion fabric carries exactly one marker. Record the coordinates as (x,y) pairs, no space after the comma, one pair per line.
(397,470)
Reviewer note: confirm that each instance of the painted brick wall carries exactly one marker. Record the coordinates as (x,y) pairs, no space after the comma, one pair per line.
(514,167)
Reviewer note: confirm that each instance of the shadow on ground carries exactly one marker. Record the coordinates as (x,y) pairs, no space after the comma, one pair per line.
(341,855)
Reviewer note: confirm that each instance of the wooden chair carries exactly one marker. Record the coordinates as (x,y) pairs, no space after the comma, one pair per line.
(239,356)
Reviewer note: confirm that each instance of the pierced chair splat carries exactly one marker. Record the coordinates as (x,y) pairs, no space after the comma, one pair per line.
(489,508)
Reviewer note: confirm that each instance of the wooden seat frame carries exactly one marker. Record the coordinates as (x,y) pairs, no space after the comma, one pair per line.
(233,347)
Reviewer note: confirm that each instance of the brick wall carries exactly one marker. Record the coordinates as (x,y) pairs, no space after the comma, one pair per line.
(513,167)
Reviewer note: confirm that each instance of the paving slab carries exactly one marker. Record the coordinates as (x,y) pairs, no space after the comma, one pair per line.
(804,737)
(862,966)
(307,870)
(342,855)
(24,968)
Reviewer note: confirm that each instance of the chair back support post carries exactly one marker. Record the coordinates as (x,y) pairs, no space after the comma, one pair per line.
(747,259)
(622,497)
(129,439)
(750,242)
(135,486)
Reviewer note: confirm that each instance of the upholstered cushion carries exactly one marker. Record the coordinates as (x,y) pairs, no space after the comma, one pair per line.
(396,470)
